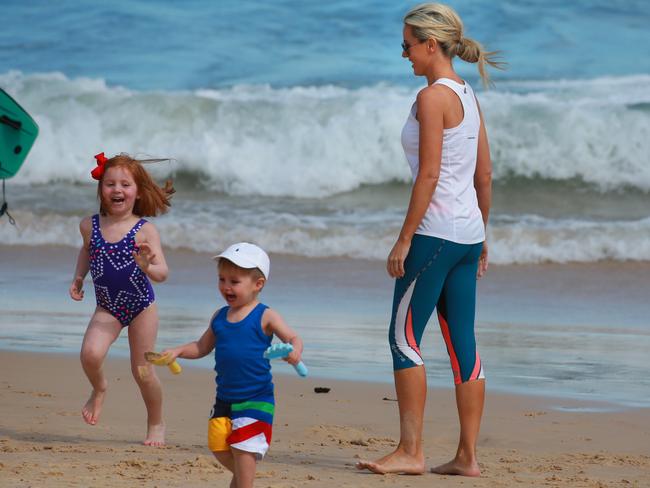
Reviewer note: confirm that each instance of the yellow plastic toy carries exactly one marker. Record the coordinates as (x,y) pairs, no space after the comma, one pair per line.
(160,360)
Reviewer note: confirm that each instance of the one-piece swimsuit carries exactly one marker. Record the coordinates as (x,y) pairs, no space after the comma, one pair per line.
(121,287)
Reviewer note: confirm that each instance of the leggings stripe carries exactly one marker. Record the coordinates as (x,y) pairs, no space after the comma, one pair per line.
(478,369)
(405,337)
(455,365)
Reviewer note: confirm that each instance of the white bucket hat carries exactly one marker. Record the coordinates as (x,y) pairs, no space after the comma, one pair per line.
(247,255)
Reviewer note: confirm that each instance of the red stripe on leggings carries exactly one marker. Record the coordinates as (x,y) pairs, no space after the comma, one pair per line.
(477,368)
(455,367)
(410,337)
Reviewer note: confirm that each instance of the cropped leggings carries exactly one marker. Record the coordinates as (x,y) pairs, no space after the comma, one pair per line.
(438,274)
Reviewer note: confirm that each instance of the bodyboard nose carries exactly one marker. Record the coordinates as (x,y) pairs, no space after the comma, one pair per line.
(18,131)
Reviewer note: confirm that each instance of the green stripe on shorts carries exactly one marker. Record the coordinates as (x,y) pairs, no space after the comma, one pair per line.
(262,406)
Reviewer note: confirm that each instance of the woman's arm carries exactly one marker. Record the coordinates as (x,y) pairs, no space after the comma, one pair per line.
(430,116)
(483,185)
(150,257)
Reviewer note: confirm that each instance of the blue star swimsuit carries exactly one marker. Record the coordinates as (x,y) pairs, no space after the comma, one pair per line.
(121,287)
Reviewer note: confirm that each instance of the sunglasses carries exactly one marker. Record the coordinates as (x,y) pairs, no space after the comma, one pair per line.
(406,46)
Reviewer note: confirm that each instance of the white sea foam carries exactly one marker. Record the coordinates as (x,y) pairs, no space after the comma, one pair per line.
(320,141)
(527,239)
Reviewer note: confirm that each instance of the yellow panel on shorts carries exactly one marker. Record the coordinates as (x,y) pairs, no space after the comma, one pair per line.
(218,431)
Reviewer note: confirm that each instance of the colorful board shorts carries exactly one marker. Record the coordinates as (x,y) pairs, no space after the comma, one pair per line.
(246,426)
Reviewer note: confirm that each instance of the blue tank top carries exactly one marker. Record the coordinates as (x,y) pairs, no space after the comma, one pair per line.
(242,371)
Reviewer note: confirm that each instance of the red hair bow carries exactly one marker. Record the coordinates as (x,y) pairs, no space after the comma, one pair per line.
(98,172)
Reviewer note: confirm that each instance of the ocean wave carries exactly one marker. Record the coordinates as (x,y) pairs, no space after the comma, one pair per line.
(360,234)
(311,142)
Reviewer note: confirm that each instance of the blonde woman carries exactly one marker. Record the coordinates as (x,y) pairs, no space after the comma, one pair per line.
(441,249)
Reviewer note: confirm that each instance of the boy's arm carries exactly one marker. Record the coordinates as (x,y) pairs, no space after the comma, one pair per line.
(150,257)
(83,262)
(193,350)
(196,349)
(273,323)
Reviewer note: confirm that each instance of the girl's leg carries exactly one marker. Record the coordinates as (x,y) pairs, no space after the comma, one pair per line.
(102,331)
(456,309)
(245,465)
(142,337)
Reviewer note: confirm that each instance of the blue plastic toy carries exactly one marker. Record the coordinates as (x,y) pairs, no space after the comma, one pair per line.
(282,350)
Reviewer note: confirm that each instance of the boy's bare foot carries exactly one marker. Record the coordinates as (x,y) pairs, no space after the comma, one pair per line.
(155,435)
(395,462)
(93,407)
(455,467)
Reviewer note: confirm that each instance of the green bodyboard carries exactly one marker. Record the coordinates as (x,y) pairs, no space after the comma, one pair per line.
(18,131)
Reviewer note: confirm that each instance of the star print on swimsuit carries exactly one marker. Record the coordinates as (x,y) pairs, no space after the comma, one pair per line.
(120,285)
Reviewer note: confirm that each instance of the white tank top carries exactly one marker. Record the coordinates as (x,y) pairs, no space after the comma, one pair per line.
(453,213)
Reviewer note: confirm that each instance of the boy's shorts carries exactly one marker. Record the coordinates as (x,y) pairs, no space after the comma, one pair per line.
(246,426)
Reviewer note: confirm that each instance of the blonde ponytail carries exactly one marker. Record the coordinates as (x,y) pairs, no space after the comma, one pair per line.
(442,23)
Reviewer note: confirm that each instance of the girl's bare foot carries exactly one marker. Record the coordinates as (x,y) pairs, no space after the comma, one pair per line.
(455,467)
(155,435)
(93,407)
(396,462)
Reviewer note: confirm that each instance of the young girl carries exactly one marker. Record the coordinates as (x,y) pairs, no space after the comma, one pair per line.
(123,253)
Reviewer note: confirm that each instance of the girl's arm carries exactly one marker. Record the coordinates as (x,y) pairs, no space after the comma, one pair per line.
(430,116)
(83,262)
(150,257)
(193,350)
(483,185)
(273,323)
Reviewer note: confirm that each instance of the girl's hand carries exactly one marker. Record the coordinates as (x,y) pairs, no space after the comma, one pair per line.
(396,258)
(144,256)
(483,261)
(76,289)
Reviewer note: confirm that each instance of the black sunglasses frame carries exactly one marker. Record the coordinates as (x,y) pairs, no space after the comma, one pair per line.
(406,46)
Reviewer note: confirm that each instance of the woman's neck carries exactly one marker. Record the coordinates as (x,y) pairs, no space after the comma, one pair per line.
(443,70)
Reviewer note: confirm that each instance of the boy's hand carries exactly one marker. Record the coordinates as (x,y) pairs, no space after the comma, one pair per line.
(293,358)
(143,256)
(171,354)
(76,289)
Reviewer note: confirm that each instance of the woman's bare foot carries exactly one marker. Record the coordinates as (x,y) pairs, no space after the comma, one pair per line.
(155,435)
(455,467)
(93,407)
(395,462)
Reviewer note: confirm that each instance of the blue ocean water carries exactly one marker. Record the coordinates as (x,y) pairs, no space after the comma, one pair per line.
(168,45)
(282,120)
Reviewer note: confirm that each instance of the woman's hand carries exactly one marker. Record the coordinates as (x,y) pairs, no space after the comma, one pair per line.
(144,256)
(483,261)
(396,258)
(76,289)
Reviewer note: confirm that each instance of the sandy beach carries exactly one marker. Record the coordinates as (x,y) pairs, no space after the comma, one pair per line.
(525,441)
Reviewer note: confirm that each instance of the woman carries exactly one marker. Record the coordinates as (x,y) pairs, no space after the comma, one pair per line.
(441,248)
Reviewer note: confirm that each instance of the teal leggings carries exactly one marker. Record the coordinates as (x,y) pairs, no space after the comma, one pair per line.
(438,274)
